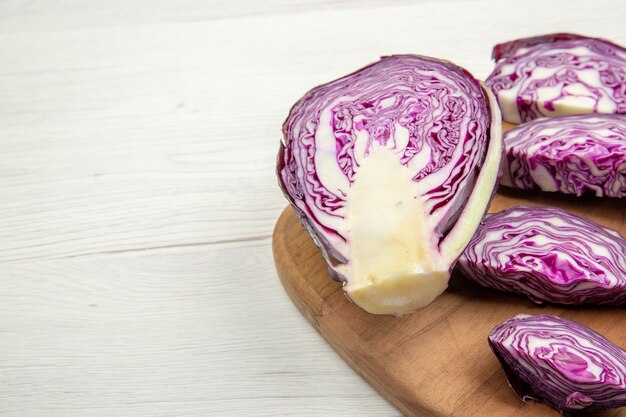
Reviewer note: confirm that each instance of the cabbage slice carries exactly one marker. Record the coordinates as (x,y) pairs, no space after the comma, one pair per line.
(548,255)
(558,74)
(567,365)
(390,169)
(580,154)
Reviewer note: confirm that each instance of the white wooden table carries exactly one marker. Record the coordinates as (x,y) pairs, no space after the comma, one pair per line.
(138,194)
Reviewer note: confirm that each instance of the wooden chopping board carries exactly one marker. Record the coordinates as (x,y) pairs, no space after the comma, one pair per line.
(436,362)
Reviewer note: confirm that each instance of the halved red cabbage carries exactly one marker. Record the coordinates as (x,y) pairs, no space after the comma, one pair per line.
(548,254)
(390,169)
(561,362)
(583,154)
(558,74)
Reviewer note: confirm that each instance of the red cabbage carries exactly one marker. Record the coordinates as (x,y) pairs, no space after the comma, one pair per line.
(583,154)
(390,169)
(506,49)
(548,254)
(561,362)
(558,74)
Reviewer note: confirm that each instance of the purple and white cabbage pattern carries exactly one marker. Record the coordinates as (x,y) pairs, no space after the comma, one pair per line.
(506,49)
(419,131)
(558,74)
(561,362)
(432,114)
(582,154)
(548,255)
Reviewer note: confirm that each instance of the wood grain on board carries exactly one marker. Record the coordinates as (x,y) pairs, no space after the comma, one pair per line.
(436,362)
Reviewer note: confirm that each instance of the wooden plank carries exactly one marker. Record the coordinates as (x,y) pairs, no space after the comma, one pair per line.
(435,362)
